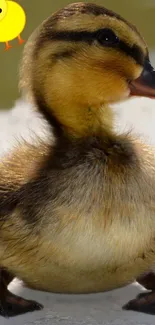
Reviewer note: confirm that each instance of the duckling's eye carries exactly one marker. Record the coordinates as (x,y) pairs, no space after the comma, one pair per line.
(107,37)
(0,10)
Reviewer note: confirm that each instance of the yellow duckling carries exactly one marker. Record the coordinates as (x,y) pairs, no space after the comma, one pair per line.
(77,215)
(12,22)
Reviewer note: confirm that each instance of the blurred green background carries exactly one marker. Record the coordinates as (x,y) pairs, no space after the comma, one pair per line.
(139,12)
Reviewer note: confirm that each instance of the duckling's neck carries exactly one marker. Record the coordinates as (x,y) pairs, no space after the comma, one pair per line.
(85,121)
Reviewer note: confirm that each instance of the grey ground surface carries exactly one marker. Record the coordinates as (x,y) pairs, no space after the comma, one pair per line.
(97,309)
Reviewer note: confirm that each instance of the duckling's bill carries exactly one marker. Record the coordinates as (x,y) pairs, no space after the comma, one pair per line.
(145,84)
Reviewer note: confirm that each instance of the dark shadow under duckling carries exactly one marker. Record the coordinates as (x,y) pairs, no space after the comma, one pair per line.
(77,216)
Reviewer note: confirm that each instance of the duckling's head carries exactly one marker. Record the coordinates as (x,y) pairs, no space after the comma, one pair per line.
(3,9)
(81,59)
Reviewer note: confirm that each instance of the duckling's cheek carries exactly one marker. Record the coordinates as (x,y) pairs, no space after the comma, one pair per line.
(110,85)
(133,71)
(117,80)
(117,89)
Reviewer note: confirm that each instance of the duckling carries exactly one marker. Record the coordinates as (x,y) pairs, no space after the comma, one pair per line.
(12,22)
(77,214)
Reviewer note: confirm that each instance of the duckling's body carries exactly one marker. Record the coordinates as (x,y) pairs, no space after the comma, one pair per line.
(76,246)
(77,216)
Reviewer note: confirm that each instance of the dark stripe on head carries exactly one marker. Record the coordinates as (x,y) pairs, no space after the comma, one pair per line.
(89,8)
(66,54)
(89,37)
(133,51)
(77,9)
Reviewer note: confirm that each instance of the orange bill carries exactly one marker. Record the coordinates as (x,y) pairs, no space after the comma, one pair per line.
(145,85)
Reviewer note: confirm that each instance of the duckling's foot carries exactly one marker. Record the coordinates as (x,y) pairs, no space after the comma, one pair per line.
(20,40)
(147,281)
(144,303)
(8,46)
(14,305)
(10,304)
